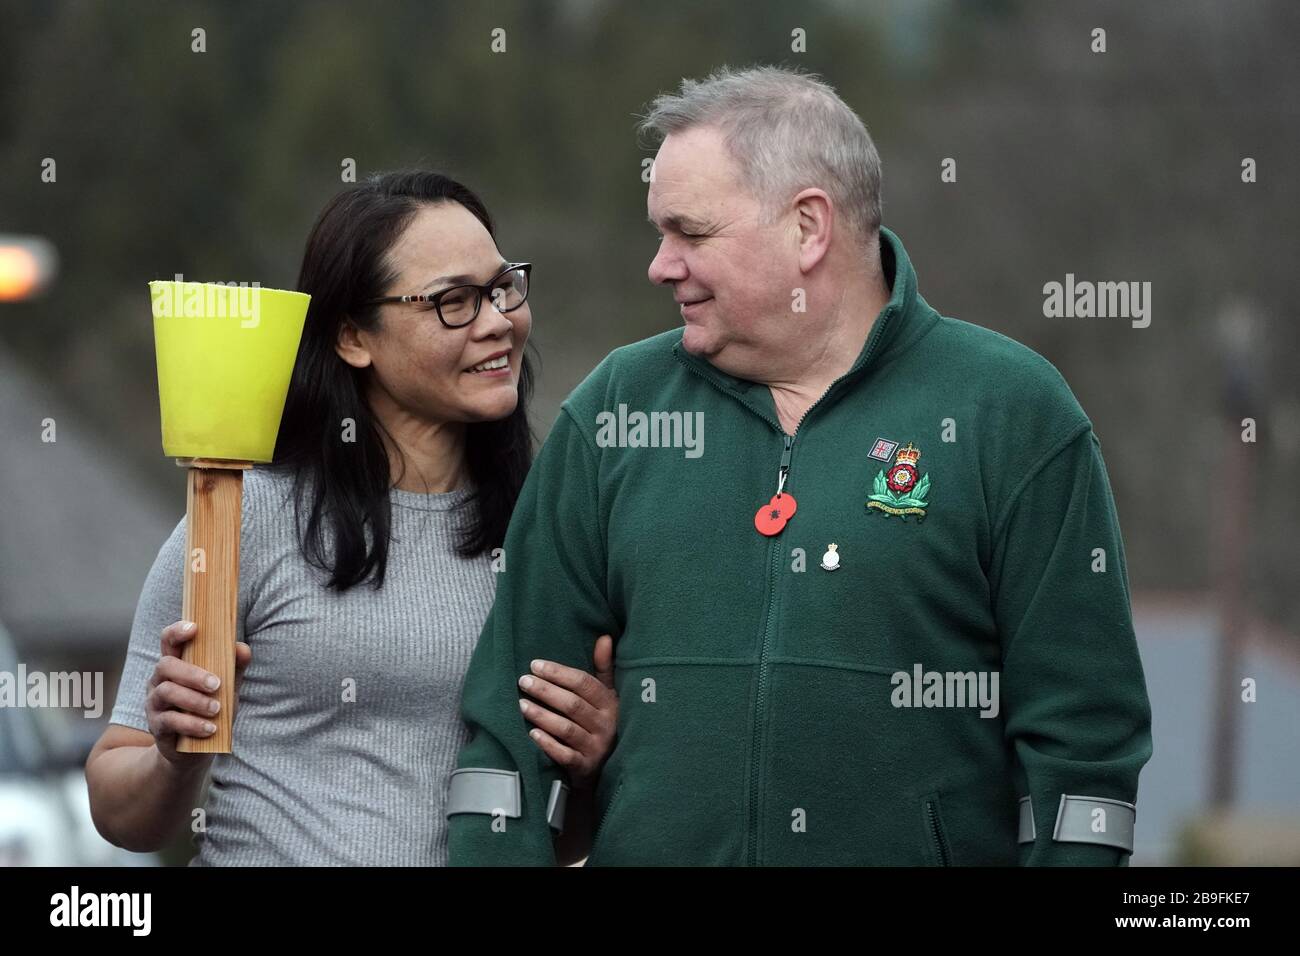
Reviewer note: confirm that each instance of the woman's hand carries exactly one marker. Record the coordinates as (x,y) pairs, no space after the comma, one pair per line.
(577,726)
(180,698)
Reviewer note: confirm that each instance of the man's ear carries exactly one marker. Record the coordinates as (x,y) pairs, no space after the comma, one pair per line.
(815,219)
(350,347)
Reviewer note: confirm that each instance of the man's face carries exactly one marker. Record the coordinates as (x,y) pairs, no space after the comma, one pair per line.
(731,274)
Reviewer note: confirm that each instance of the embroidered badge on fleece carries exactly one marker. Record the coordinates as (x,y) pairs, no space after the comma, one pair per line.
(902,490)
(883,449)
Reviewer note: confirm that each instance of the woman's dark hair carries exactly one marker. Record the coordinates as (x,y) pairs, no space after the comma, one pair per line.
(343,487)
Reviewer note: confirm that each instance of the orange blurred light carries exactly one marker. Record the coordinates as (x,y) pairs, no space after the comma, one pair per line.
(20,273)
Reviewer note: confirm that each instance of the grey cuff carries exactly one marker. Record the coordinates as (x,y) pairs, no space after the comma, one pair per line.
(556,804)
(497,792)
(1027,830)
(485,790)
(1097,820)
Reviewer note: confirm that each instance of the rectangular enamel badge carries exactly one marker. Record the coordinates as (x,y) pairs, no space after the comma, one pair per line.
(883,449)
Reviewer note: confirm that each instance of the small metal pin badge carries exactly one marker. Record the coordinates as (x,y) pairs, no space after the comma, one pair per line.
(831,559)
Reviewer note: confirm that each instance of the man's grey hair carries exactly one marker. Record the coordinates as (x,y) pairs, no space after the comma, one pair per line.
(787,130)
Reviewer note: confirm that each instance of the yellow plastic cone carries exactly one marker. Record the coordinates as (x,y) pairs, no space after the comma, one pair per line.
(225,354)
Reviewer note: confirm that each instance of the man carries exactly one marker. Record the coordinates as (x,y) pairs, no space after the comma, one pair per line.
(880,616)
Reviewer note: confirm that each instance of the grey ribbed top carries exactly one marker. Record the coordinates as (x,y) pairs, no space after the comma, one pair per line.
(316,779)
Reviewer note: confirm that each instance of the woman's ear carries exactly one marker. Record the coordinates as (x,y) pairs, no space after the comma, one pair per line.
(350,347)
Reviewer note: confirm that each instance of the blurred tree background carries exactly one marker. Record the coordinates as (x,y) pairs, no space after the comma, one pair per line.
(1117,166)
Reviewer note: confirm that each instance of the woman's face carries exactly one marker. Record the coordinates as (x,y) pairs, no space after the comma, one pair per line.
(417,363)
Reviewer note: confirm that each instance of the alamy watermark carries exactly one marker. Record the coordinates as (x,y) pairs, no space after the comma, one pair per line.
(651,430)
(923,688)
(192,300)
(65,689)
(133,911)
(1102,300)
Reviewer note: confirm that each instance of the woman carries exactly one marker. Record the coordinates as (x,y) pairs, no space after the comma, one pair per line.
(367,566)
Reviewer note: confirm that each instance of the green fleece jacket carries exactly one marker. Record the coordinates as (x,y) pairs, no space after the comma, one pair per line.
(930,662)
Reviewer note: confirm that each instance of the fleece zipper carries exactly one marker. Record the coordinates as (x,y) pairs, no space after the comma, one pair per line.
(755,743)
(783,471)
(936,831)
(760,705)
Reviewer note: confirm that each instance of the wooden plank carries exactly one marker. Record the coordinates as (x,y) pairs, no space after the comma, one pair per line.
(213,508)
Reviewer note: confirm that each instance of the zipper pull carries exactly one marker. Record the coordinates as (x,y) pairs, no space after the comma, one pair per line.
(772,517)
(785,463)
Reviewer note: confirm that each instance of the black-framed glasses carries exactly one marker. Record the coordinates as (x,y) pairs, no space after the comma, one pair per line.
(458,305)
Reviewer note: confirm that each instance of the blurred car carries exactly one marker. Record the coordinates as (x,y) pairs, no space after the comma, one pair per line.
(44,805)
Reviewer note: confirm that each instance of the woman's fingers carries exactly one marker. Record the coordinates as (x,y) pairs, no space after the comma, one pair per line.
(175,635)
(185,725)
(187,675)
(243,656)
(171,696)
(592,690)
(575,706)
(576,727)
(566,757)
(602,658)
(180,701)
(556,725)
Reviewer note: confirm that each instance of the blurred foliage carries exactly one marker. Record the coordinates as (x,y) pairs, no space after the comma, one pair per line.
(1115,166)
(1221,839)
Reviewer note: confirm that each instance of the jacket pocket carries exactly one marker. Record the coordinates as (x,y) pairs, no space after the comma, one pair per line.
(940,851)
(604,819)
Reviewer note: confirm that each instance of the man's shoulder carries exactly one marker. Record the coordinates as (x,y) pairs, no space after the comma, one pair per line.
(1002,369)
(630,372)
(993,351)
